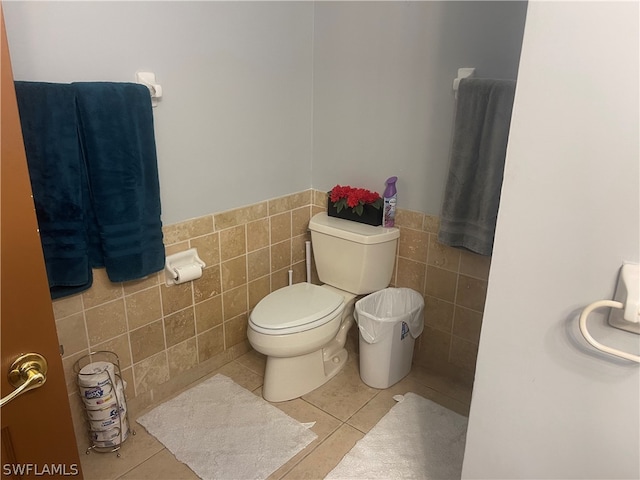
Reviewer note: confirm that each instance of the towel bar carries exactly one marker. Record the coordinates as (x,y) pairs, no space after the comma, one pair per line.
(462,73)
(596,344)
(148,79)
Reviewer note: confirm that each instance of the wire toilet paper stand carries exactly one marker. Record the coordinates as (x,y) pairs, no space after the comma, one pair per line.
(101,387)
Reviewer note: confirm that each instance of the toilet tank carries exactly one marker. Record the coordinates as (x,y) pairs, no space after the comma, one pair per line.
(352,256)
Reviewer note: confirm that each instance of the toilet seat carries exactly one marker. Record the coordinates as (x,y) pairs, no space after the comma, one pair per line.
(296,308)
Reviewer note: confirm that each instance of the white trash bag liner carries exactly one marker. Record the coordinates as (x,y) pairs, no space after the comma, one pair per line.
(378,312)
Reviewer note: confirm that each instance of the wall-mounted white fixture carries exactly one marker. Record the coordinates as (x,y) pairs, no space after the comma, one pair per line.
(625,313)
(628,293)
(183,267)
(462,73)
(148,79)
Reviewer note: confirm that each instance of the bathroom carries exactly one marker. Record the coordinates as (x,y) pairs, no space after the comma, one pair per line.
(266,106)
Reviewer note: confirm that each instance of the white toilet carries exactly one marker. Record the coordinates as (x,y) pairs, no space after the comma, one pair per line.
(302,328)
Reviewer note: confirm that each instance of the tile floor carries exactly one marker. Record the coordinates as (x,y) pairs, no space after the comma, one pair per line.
(344,410)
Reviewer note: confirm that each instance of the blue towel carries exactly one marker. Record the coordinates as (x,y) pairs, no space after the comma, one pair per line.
(116,131)
(58,181)
(92,161)
(472,191)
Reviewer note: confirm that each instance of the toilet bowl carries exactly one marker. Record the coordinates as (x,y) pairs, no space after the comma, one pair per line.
(302,328)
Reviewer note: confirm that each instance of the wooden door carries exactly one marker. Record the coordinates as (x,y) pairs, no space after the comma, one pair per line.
(37,432)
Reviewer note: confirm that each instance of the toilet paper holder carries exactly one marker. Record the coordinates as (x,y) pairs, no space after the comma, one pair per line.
(183,267)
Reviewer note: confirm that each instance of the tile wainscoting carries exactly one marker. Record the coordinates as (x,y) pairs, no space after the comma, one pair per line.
(168,337)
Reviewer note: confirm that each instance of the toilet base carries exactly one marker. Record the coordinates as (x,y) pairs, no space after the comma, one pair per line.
(291,377)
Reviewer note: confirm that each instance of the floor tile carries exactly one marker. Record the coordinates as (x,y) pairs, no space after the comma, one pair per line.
(162,466)
(326,456)
(344,410)
(344,394)
(449,380)
(413,384)
(241,375)
(367,417)
(304,412)
(135,450)
(254,361)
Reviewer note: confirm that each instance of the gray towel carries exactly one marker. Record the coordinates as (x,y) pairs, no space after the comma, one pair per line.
(472,192)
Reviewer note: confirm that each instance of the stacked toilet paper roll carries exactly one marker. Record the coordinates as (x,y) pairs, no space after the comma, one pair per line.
(102,392)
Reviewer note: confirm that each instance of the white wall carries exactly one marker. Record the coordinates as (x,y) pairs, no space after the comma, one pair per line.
(234,126)
(383,98)
(545,404)
(259,93)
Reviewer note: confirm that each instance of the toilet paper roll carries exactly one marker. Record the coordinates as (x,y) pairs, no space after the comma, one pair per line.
(93,397)
(114,442)
(105,423)
(97,374)
(187,273)
(96,398)
(106,435)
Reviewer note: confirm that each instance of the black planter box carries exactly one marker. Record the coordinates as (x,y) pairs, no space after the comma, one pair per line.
(370,215)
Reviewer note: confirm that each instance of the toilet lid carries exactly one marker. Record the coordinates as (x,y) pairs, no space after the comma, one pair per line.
(295,308)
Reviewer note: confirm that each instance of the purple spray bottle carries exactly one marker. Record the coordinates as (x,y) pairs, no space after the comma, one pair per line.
(390,199)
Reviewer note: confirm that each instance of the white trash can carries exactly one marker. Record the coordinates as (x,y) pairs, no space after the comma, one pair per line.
(389,321)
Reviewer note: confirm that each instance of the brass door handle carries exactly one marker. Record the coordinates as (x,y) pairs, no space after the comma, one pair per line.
(27,372)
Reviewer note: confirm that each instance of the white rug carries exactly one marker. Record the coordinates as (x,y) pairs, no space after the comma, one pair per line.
(417,439)
(222,431)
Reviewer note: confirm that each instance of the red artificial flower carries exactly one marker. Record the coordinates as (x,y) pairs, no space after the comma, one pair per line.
(354,198)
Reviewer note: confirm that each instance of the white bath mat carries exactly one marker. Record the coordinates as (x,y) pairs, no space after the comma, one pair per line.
(417,439)
(222,431)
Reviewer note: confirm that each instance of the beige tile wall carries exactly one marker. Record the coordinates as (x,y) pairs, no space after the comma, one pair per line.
(454,285)
(168,337)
